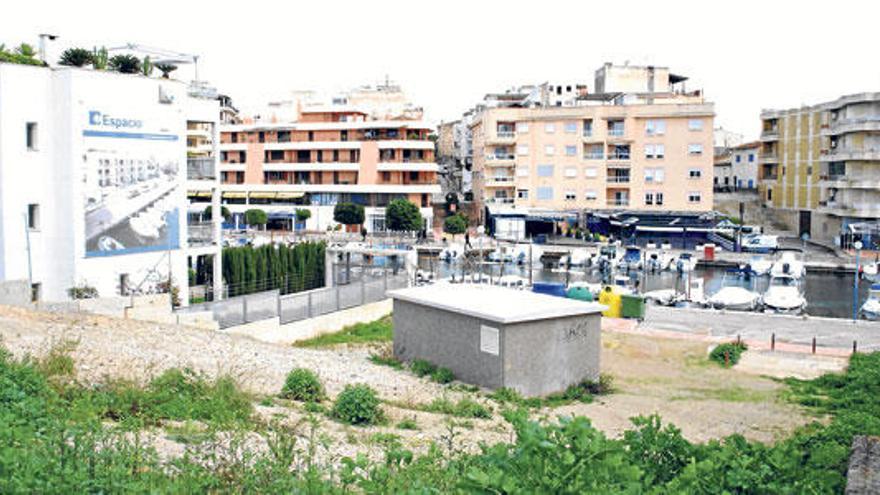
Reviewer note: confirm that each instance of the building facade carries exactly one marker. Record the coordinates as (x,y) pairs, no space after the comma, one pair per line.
(612,151)
(820,166)
(330,154)
(93,181)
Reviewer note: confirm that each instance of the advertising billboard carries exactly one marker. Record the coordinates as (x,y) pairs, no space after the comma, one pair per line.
(133,179)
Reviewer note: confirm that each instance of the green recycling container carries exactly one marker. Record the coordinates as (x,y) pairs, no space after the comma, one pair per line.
(632,306)
(579,293)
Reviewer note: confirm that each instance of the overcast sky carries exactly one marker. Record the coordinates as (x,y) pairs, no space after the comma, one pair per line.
(745,55)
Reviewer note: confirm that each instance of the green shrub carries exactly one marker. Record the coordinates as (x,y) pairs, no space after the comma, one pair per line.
(733,350)
(408,424)
(302,385)
(357,405)
(422,368)
(442,375)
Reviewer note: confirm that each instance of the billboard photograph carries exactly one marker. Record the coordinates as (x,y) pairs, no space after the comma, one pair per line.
(132,187)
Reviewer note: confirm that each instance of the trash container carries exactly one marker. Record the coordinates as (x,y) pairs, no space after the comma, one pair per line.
(709,252)
(549,288)
(610,298)
(579,293)
(632,306)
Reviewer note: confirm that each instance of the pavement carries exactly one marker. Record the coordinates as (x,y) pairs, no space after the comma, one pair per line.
(834,336)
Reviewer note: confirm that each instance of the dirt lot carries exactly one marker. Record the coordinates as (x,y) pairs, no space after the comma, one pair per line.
(670,377)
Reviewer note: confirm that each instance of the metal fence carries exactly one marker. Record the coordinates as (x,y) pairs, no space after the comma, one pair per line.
(355,285)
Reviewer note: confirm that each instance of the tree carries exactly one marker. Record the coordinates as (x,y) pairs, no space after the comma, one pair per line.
(76,57)
(256,217)
(126,64)
(166,69)
(147,66)
(455,224)
(348,214)
(302,215)
(401,215)
(224,211)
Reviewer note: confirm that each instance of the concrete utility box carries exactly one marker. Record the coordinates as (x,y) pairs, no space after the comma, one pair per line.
(497,337)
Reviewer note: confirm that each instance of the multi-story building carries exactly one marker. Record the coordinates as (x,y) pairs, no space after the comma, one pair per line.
(736,167)
(330,154)
(642,144)
(820,165)
(94,174)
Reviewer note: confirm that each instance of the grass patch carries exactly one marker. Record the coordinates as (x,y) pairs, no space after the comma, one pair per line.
(728,394)
(464,408)
(360,333)
(581,392)
(407,424)
(422,368)
(385,357)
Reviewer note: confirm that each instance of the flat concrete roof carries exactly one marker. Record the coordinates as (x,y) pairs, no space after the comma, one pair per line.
(498,304)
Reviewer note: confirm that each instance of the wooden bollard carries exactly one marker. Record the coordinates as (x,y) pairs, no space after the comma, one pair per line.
(738,339)
(726,358)
(855,347)
(814,345)
(772,341)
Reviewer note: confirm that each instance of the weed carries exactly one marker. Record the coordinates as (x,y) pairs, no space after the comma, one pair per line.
(408,424)
(385,357)
(464,408)
(302,385)
(442,375)
(357,405)
(422,368)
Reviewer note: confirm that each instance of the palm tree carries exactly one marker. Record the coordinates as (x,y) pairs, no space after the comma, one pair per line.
(76,57)
(166,69)
(126,64)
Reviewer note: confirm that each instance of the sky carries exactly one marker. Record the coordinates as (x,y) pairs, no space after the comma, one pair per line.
(745,55)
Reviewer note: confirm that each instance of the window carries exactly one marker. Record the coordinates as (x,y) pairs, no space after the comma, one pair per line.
(738,158)
(658,198)
(655,127)
(522,150)
(33,217)
(545,170)
(36,292)
(571,172)
(570,195)
(590,195)
(591,172)
(695,149)
(654,175)
(695,173)
(694,197)
(649,198)
(655,151)
(769,194)
(522,127)
(275,155)
(31,131)
(571,127)
(571,150)
(695,125)
(549,127)
(751,157)
(549,150)
(545,193)
(522,194)
(588,127)
(522,171)
(809,170)
(262,137)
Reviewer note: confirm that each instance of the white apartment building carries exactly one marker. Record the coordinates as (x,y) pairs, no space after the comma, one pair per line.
(94,177)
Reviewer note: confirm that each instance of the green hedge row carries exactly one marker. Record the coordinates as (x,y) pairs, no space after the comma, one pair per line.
(248,269)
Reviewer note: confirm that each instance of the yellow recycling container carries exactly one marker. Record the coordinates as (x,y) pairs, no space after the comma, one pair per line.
(611,298)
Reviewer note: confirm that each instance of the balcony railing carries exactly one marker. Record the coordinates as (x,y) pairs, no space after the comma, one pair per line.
(500,134)
(505,201)
(618,156)
(594,156)
(505,156)
(618,179)
(588,132)
(200,168)
(615,131)
(618,202)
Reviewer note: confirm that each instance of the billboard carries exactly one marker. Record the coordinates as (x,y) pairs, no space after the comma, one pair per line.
(133,179)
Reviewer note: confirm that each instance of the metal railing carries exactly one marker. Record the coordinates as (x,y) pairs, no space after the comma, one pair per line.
(502,134)
(618,156)
(618,180)
(618,202)
(615,131)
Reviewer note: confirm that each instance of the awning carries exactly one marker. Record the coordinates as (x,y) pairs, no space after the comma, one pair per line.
(235,194)
(263,195)
(199,194)
(279,215)
(290,195)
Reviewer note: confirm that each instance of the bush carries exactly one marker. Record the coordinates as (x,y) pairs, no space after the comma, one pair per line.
(83,291)
(76,57)
(302,385)
(422,368)
(733,350)
(442,375)
(455,224)
(126,64)
(357,405)
(401,215)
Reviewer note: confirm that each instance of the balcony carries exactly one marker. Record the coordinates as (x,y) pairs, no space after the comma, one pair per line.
(502,136)
(842,154)
(588,132)
(500,201)
(200,168)
(506,157)
(770,135)
(594,156)
(200,233)
(620,179)
(843,126)
(769,158)
(618,156)
(500,181)
(846,208)
(615,131)
(615,202)
(845,181)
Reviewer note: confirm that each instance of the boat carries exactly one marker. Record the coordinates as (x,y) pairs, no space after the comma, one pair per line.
(735,298)
(760,265)
(451,253)
(575,258)
(513,282)
(143,227)
(658,260)
(107,243)
(594,288)
(784,295)
(499,255)
(871,271)
(664,297)
(788,264)
(424,277)
(685,262)
(870,310)
(631,260)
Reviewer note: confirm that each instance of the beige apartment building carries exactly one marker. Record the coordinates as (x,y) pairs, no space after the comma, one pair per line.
(820,166)
(642,144)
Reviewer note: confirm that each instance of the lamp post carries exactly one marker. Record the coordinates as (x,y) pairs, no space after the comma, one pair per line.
(855,307)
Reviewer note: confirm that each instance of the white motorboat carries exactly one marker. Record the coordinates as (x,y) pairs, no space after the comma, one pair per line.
(576,258)
(143,227)
(760,265)
(686,262)
(424,277)
(788,264)
(784,295)
(664,297)
(870,310)
(513,282)
(499,255)
(871,271)
(735,298)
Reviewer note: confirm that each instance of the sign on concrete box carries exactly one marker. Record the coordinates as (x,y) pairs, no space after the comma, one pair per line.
(489,340)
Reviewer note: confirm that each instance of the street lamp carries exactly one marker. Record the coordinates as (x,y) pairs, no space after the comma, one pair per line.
(855,307)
